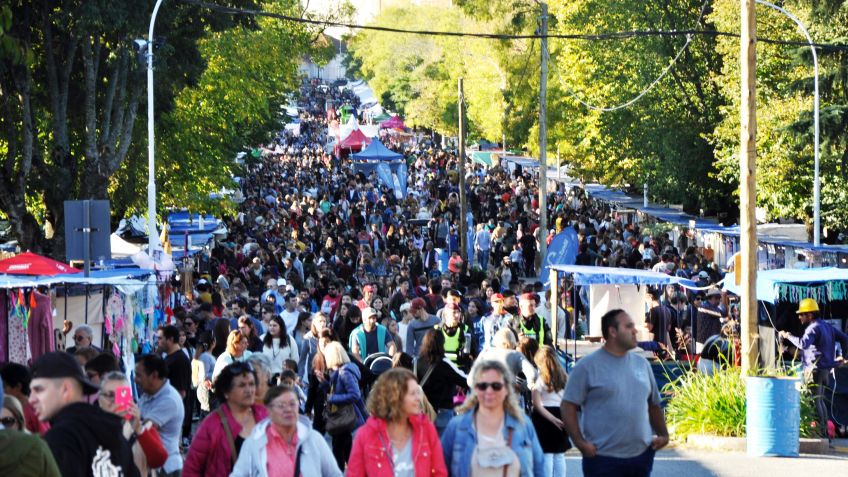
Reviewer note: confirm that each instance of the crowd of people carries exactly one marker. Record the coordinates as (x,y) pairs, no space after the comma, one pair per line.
(324,336)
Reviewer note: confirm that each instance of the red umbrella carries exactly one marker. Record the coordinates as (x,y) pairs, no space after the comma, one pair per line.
(32,264)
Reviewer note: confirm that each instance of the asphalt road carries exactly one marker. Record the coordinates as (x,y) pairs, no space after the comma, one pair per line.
(694,463)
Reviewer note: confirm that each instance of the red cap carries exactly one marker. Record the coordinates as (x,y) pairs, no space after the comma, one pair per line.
(496,297)
(368,288)
(528,296)
(417,304)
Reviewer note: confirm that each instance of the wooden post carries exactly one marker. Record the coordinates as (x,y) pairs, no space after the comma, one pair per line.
(748,185)
(543,140)
(463,205)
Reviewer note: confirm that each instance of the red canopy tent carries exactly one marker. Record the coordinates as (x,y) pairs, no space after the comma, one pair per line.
(32,264)
(355,141)
(395,122)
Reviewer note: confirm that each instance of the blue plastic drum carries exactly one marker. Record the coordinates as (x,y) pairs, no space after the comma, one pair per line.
(773,416)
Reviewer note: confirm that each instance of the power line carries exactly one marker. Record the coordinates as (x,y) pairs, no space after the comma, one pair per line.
(645,91)
(501,36)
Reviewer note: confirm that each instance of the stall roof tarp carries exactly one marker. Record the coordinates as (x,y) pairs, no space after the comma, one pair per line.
(588,275)
(121,248)
(182,221)
(395,122)
(521,161)
(376,151)
(484,157)
(355,139)
(769,281)
(97,277)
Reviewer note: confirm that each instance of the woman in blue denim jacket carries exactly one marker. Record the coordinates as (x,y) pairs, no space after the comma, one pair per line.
(491,433)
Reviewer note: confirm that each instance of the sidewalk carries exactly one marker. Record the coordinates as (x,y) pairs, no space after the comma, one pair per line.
(676,462)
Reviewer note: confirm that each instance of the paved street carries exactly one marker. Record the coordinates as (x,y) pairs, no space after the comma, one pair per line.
(692,463)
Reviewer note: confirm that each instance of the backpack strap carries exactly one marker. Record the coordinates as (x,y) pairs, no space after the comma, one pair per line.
(229,433)
(297,461)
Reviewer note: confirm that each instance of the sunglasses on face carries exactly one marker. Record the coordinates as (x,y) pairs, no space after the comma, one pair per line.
(8,421)
(484,386)
(79,338)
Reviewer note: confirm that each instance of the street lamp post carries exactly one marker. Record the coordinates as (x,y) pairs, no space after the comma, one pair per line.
(816,177)
(151,163)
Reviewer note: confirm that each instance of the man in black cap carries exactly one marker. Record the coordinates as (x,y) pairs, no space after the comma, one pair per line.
(85,440)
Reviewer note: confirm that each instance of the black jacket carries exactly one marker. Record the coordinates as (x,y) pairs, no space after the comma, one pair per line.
(441,385)
(80,438)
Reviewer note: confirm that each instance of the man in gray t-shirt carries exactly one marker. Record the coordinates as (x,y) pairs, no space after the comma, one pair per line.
(619,402)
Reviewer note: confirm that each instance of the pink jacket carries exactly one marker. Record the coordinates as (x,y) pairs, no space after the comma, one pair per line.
(210,454)
(371,455)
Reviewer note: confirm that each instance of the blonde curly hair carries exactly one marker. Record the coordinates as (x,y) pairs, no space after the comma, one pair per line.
(385,400)
(510,403)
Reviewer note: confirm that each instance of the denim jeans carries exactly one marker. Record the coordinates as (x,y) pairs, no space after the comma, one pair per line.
(443,417)
(603,466)
(555,465)
(484,259)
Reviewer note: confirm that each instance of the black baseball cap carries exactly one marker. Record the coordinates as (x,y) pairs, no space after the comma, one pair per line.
(62,365)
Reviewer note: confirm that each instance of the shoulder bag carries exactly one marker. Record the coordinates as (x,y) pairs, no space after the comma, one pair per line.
(338,418)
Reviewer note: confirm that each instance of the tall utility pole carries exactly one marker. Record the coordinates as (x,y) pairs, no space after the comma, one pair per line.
(543,138)
(748,185)
(463,205)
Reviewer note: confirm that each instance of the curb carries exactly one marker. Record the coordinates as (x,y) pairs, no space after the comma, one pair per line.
(740,444)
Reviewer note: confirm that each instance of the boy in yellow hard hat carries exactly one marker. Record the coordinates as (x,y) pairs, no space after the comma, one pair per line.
(819,347)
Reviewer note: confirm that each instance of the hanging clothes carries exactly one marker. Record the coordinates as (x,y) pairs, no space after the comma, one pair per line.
(18,338)
(4,327)
(40,329)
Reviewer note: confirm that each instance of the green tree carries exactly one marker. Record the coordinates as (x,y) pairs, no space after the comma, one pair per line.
(660,138)
(71,110)
(249,72)
(418,74)
(784,113)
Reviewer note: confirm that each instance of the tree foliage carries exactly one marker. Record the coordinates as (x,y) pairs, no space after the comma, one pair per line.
(70,122)
(418,75)
(785,107)
(682,136)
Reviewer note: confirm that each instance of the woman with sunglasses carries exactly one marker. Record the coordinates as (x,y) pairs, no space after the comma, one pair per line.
(491,435)
(220,436)
(12,414)
(147,448)
(397,439)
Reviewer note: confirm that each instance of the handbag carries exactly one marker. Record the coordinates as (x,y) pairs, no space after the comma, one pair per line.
(338,418)
(494,457)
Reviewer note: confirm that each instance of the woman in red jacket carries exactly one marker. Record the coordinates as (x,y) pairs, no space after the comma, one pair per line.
(397,438)
(218,440)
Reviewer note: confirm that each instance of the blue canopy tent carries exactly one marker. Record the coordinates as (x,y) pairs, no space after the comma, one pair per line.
(792,285)
(386,163)
(608,288)
(588,275)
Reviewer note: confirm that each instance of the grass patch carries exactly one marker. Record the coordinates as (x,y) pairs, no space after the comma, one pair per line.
(715,405)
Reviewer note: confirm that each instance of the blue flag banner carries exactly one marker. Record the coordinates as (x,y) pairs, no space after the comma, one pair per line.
(561,251)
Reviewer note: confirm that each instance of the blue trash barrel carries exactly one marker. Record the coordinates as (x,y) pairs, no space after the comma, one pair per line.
(773,416)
